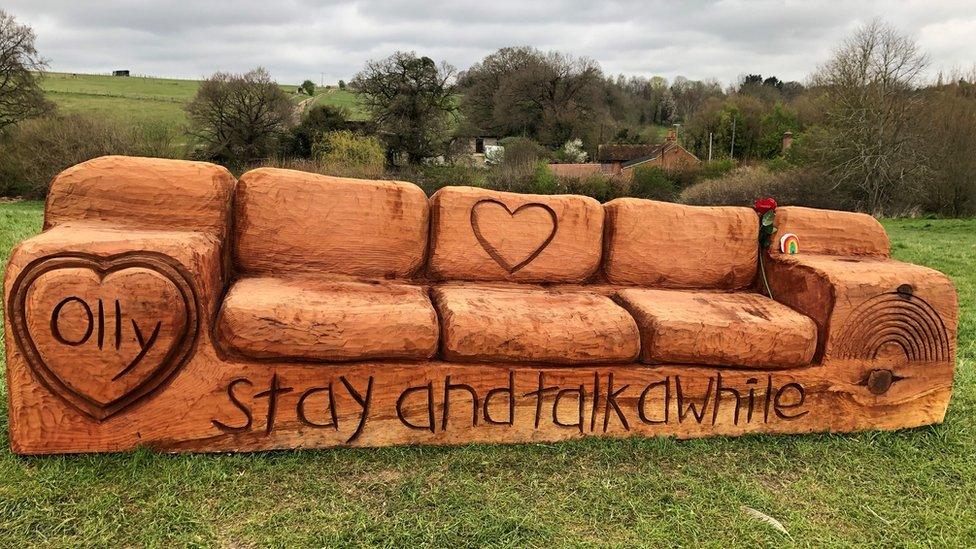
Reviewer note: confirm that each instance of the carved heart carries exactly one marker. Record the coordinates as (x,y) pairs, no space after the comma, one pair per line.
(104,333)
(513,238)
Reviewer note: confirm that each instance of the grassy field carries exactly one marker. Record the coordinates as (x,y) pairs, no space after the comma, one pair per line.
(915,487)
(141,99)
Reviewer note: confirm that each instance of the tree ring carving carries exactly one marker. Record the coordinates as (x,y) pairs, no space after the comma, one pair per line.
(104,333)
(896,320)
(527,246)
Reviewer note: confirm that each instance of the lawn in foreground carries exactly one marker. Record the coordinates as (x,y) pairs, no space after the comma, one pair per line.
(870,488)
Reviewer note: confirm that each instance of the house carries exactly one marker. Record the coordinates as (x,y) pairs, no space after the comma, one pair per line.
(621,160)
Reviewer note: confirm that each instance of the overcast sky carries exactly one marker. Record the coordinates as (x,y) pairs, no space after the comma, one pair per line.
(298,39)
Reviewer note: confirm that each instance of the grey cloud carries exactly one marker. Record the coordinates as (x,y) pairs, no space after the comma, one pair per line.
(297,39)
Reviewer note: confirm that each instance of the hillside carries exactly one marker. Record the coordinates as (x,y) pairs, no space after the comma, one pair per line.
(146,99)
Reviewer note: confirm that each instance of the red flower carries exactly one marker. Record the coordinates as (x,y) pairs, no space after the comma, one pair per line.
(764,205)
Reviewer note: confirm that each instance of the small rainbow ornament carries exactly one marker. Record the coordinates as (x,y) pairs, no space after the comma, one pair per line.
(789,244)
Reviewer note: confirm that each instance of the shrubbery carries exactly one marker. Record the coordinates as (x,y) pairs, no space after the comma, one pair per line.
(346,149)
(744,185)
(36,150)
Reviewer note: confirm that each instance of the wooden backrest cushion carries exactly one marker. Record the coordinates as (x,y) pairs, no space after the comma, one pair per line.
(288,221)
(477,234)
(147,193)
(831,232)
(660,244)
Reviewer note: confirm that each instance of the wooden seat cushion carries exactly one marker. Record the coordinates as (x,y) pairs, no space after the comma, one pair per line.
(266,317)
(739,329)
(534,325)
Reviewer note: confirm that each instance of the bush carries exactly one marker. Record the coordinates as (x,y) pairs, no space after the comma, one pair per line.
(320,120)
(344,148)
(793,187)
(598,186)
(432,177)
(652,183)
(543,180)
(37,150)
(716,168)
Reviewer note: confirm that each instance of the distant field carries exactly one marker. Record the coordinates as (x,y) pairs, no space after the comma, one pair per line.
(341,98)
(141,99)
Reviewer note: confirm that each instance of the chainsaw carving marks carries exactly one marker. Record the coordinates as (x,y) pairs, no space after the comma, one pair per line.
(103,333)
(510,244)
(898,322)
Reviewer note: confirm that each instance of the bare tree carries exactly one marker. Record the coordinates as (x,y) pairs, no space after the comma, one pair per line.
(870,141)
(238,118)
(20,67)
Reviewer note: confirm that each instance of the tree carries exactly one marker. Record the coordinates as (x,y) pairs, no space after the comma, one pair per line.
(411,100)
(320,120)
(20,64)
(238,118)
(307,87)
(548,96)
(342,84)
(870,141)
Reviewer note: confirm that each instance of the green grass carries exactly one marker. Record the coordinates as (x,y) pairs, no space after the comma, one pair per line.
(914,487)
(134,98)
(341,98)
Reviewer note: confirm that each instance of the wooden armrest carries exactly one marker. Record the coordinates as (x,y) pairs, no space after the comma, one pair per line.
(869,308)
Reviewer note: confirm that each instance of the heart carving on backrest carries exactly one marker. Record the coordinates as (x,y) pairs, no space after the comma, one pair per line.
(103,333)
(513,238)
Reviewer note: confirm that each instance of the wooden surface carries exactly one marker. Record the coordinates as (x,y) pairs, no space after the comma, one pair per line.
(126,192)
(331,321)
(504,327)
(290,221)
(651,243)
(477,234)
(746,330)
(215,405)
(554,327)
(830,232)
(864,304)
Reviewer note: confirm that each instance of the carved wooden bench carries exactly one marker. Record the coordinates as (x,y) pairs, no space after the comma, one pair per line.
(167,305)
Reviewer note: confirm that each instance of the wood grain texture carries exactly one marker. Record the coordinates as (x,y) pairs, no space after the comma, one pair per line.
(215,406)
(148,193)
(484,324)
(291,221)
(744,330)
(477,234)
(538,350)
(331,321)
(651,243)
(831,232)
(918,304)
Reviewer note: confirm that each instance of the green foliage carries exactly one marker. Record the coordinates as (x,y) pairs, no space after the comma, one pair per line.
(435,176)
(319,120)
(716,168)
(307,87)
(345,148)
(342,84)
(37,150)
(774,124)
(521,151)
(543,180)
(652,183)
(411,100)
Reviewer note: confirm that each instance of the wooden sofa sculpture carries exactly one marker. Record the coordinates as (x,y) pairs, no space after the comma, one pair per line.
(168,305)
